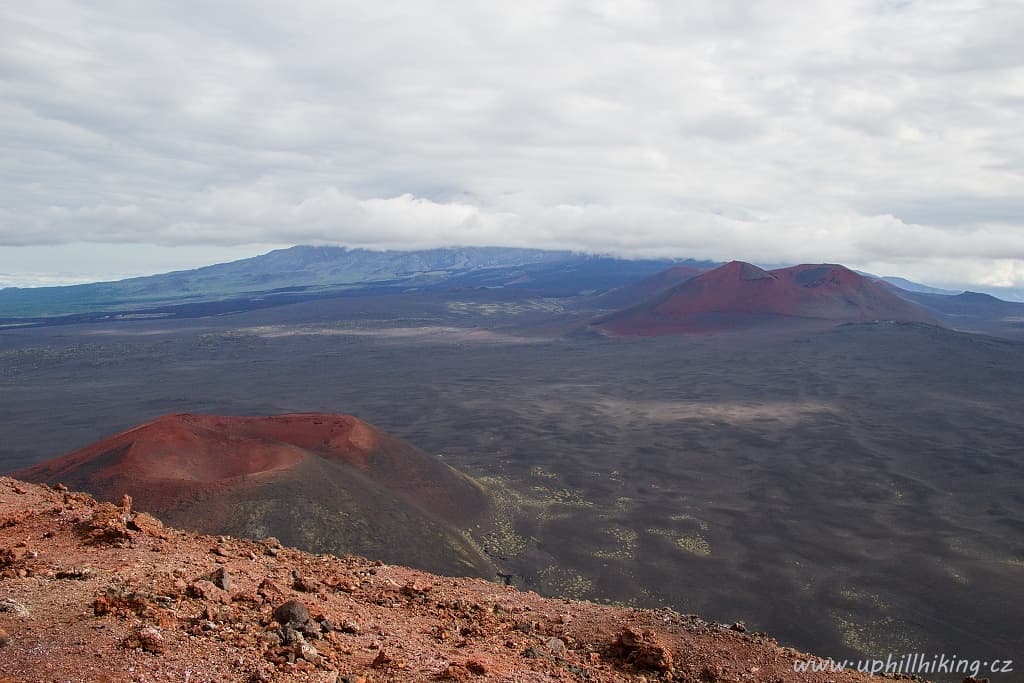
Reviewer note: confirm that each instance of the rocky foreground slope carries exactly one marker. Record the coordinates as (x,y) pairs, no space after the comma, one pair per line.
(97,592)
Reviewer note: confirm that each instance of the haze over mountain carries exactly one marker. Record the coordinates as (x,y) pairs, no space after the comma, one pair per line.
(287,275)
(740,294)
(325,483)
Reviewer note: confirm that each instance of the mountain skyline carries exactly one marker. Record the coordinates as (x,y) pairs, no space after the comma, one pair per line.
(198,259)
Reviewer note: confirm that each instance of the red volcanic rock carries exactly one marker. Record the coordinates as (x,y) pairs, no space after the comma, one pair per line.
(642,650)
(327,483)
(129,620)
(740,294)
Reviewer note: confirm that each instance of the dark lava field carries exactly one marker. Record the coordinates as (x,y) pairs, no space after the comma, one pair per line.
(856,490)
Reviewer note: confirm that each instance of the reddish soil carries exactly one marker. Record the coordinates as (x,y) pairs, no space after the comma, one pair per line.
(739,295)
(96,592)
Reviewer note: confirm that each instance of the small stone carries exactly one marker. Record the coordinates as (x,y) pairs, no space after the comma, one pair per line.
(9,606)
(74,574)
(206,590)
(642,650)
(304,583)
(3,637)
(291,612)
(381,660)
(107,524)
(221,551)
(268,589)
(349,627)
(526,626)
(739,627)
(149,639)
(556,645)
(476,667)
(711,673)
(149,525)
(416,587)
(272,637)
(309,653)
(310,629)
(454,672)
(221,578)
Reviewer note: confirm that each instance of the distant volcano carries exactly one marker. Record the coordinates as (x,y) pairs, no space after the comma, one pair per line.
(739,295)
(325,483)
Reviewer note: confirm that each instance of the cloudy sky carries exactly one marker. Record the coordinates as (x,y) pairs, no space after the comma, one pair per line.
(885,134)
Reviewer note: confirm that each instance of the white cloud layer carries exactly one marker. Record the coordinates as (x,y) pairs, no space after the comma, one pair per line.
(884,134)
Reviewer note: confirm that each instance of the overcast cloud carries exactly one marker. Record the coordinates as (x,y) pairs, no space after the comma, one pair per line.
(884,134)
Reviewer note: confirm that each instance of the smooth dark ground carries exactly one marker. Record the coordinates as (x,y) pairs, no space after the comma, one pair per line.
(854,490)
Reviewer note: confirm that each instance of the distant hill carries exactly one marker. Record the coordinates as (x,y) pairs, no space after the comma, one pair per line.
(965,303)
(303,272)
(974,312)
(740,294)
(649,287)
(907,285)
(911,286)
(325,483)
